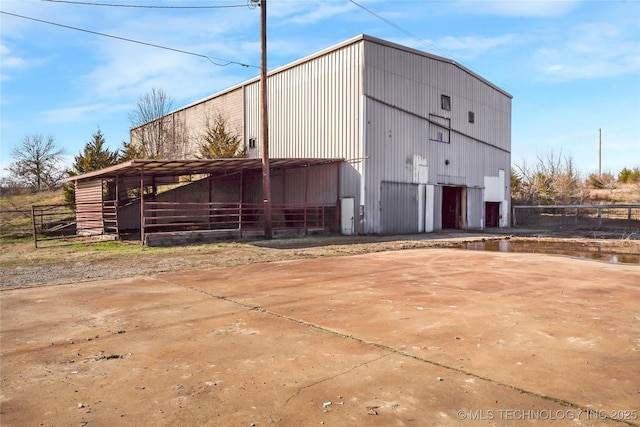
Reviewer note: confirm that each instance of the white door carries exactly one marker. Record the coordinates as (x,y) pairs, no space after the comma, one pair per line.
(347,221)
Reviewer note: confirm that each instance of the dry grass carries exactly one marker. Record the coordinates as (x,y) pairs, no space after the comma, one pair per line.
(15,211)
(628,193)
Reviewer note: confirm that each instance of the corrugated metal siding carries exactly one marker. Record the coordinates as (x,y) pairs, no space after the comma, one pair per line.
(437,208)
(395,139)
(403,108)
(313,185)
(253,122)
(399,208)
(313,107)
(475,208)
(89,207)
(414,83)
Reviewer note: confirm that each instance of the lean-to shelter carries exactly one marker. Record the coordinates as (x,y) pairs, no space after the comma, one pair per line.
(207,199)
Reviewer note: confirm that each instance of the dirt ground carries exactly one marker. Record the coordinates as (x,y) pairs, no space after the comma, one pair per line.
(424,337)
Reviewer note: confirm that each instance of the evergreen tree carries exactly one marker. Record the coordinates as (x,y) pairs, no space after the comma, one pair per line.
(130,151)
(94,156)
(219,143)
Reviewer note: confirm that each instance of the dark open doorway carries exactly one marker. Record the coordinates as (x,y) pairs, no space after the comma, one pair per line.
(492,214)
(451,207)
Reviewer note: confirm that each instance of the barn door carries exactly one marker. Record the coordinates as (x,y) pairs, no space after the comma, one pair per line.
(451,207)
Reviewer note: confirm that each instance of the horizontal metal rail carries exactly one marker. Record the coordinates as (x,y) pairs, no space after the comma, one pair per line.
(60,222)
(192,216)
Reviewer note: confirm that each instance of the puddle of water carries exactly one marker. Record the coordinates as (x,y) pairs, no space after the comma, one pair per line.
(583,251)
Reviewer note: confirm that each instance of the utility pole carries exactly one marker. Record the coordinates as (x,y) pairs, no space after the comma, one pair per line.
(266,173)
(600,153)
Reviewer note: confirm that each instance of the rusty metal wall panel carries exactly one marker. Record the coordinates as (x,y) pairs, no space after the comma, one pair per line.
(313,185)
(89,207)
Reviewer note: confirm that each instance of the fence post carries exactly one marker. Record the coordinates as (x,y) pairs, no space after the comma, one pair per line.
(33,222)
(599,216)
(304,215)
(240,219)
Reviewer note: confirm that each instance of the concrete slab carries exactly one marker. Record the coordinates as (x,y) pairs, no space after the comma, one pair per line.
(418,337)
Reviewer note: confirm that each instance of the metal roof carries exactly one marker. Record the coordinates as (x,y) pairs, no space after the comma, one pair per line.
(194,167)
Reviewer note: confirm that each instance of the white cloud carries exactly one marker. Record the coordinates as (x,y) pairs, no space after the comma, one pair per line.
(474,46)
(10,63)
(531,8)
(72,114)
(590,51)
(310,13)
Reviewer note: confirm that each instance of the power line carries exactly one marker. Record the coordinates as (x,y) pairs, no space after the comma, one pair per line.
(399,28)
(208,58)
(141,6)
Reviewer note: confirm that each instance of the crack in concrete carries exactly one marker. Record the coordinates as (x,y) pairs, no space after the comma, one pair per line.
(556,400)
(353,368)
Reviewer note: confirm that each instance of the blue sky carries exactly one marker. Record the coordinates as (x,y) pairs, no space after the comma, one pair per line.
(573,66)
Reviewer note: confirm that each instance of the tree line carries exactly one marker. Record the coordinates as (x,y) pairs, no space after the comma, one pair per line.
(554,180)
(38,160)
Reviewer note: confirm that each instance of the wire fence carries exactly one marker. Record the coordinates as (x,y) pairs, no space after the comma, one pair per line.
(613,218)
(49,224)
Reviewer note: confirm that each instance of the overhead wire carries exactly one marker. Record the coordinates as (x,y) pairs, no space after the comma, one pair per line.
(186,52)
(398,27)
(141,6)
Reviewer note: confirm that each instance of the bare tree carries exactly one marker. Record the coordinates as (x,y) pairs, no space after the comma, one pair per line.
(550,181)
(179,144)
(151,129)
(37,163)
